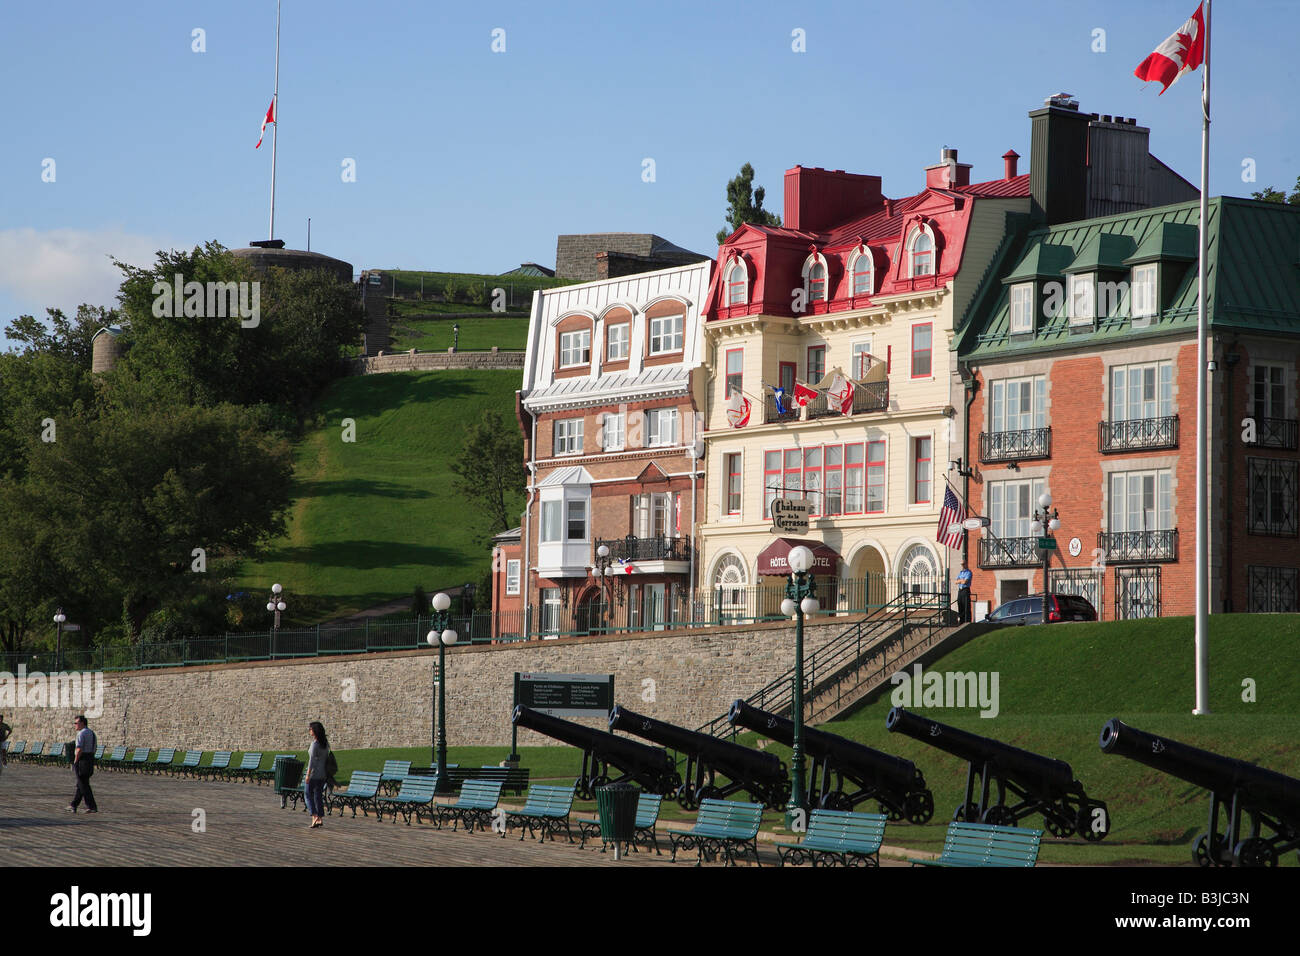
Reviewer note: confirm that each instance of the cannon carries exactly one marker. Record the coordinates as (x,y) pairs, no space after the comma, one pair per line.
(1267,797)
(1042,784)
(762,775)
(651,767)
(893,782)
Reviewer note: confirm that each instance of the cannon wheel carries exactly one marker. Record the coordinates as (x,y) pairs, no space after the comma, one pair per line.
(918,807)
(1058,826)
(706,793)
(600,781)
(1255,852)
(999,816)
(1201,850)
(672,785)
(1084,821)
(836,800)
(686,798)
(966,813)
(581,789)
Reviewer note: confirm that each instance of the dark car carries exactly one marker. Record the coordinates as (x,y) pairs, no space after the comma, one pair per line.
(1029,610)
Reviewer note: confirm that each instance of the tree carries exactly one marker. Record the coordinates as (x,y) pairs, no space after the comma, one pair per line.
(66,338)
(1269,194)
(745,204)
(490,470)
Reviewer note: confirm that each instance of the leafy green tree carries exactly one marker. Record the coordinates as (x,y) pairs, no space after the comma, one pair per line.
(419,602)
(1269,194)
(745,204)
(490,469)
(65,338)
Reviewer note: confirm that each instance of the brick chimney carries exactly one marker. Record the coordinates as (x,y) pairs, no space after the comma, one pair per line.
(947,172)
(816,199)
(1009,164)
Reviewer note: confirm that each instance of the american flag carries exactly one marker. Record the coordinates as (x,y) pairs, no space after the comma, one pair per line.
(953,512)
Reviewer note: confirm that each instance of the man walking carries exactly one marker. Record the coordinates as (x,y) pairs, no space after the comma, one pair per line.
(963,594)
(5,730)
(83,765)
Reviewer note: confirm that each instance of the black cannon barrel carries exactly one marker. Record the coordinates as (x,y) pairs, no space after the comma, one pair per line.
(730,759)
(1260,788)
(1031,770)
(626,754)
(888,770)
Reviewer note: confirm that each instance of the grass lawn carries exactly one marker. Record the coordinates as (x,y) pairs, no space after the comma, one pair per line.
(476,334)
(376,517)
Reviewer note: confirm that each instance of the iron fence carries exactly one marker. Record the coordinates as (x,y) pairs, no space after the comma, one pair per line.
(1138,545)
(1276,433)
(1138,433)
(995,552)
(1021,445)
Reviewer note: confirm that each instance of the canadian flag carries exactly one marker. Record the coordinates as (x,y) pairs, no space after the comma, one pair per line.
(738,408)
(1181,53)
(270,118)
(803,394)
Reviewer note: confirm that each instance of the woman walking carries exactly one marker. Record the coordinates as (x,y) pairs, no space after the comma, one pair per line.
(314,786)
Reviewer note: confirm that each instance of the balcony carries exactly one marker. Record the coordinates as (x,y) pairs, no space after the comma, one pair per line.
(870,397)
(1138,434)
(1132,546)
(633,548)
(770,414)
(1022,445)
(1009,552)
(1276,433)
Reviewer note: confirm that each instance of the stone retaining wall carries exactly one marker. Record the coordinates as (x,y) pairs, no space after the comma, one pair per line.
(421,361)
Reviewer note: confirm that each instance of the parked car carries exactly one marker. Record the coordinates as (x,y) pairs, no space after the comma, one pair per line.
(1029,610)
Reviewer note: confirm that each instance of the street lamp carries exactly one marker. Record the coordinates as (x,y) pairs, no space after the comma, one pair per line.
(59,618)
(441,636)
(276,605)
(602,569)
(455,337)
(800,599)
(1046,519)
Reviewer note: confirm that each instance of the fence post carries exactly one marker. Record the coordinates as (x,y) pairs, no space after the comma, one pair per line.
(318,640)
(366,621)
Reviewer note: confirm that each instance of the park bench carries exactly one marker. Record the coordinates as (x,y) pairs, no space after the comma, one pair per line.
(360,794)
(414,796)
(219,764)
(546,808)
(268,775)
(838,836)
(115,758)
(187,766)
(721,826)
(512,779)
(35,754)
(53,754)
(980,844)
(162,762)
(393,773)
(18,750)
(139,757)
(247,767)
(647,816)
(477,802)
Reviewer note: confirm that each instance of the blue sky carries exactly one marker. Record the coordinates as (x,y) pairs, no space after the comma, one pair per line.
(475,161)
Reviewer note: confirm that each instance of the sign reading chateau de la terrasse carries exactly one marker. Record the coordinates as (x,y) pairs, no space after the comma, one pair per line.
(790,515)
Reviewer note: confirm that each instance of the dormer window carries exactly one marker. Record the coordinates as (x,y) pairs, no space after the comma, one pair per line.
(1022,308)
(814,278)
(1081,298)
(921,252)
(737,283)
(862,272)
(575,348)
(1144,291)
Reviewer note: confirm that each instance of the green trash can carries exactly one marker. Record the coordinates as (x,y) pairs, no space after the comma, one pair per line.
(288,774)
(70,751)
(616,804)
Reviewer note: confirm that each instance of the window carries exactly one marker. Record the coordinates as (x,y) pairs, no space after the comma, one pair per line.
(1268,391)
(568,436)
(551,521)
(792,475)
(735,371)
(834,500)
(817,283)
(771,480)
(1082,288)
(613,429)
(862,274)
(812,478)
(550,610)
(1141,391)
(852,479)
(875,477)
(731,493)
(512,576)
(1271,590)
(919,570)
(1011,507)
(785,376)
(1022,307)
(577,514)
(654,515)
(666,334)
(660,426)
(1018,404)
(575,348)
(921,350)
(861,358)
(737,283)
(1144,291)
(922,251)
(616,342)
(921,470)
(816,363)
(1271,507)
(1140,501)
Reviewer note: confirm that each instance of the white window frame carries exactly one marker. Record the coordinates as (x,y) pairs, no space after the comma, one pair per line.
(673,335)
(1000,392)
(512,576)
(613,431)
(651,508)
(911,469)
(862,253)
(551,524)
(1160,405)
(569,505)
(625,340)
(1022,307)
(1159,517)
(1002,523)
(860,347)
(568,350)
(809,264)
(1272,409)
(726,484)
(933,252)
(1144,291)
(737,263)
(1081,294)
(567,437)
(654,427)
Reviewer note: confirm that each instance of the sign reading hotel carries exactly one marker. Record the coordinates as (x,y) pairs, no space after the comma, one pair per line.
(566,695)
(790,515)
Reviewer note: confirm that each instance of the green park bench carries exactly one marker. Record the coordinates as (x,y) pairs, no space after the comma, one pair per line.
(722,826)
(393,773)
(360,794)
(162,762)
(187,766)
(512,779)
(139,757)
(647,817)
(980,844)
(477,802)
(217,767)
(547,809)
(54,754)
(99,753)
(414,796)
(115,758)
(36,752)
(247,767)
(838,836)
(18,750)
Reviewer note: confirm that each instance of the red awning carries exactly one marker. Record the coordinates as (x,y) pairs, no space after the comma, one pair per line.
(774,559)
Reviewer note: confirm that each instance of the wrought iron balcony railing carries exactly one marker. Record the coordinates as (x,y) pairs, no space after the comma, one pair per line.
(1021,445)
(1276,433)
(770,414)
(1009,552)
(1138,434)
(1122,546)
(633,548)
(871,397)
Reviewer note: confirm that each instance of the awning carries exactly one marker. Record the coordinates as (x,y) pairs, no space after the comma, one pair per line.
(774,559)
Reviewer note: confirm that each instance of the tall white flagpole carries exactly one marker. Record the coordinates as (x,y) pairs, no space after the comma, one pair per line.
(275,99)
(1202,520)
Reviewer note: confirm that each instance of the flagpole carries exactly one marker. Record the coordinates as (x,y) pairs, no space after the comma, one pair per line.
(275,100)
(1202,522)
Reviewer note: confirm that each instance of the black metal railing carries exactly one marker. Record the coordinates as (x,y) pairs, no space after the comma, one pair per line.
(1021,445)
(632,548)
(1271,590)
(1120,546)
(871,397)
(1136,434)
(1137,593)
(998,552)
(1276,433)
(770,414)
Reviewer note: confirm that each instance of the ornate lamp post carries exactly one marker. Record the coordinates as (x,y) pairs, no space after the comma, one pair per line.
(455,337)
(59,618)
(602,569)
(441,636)
(277,607)
(800,599)
(1046,518)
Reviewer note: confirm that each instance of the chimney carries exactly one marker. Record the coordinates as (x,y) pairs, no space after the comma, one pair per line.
(816,199)
(947,172)
(1058,170)
(1009,164)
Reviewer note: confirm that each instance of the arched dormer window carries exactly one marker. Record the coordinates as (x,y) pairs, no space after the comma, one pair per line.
(920,250)
(862,273)
(815,277)
(737,282)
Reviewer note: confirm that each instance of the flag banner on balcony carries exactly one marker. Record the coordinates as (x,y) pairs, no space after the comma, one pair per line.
(778,396)
(840,393)
(627,565)
(803,394)
(738,407)
(1182,52)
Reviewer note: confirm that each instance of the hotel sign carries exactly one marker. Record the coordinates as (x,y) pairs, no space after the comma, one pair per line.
(790,515)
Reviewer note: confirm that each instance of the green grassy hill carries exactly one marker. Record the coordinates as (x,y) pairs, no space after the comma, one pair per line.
(376,517)
(477,334)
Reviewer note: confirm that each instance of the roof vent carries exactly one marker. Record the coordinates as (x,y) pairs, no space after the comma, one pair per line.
(1062,100)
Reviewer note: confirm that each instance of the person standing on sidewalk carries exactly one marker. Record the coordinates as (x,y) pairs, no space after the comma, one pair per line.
(313,787)
(83,765)
(963,594)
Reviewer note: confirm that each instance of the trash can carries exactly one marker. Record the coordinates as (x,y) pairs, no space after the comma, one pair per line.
(288,774)
(616,804)
(69,751)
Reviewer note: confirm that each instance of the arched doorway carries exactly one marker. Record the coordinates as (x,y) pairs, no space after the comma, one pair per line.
(730,581)
(919,572)
(589,614)
(865,587)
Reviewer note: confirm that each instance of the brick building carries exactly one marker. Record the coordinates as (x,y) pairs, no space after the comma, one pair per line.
(611,255)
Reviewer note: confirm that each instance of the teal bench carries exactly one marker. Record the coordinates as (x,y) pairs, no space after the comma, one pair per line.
(547,809)
(115,758)
(160,763)
(247,767)
(477,803)
(99,753)
(54,754)
(139,757)
(219,764)
(980,844)
(722,826)
(414,796)
(838,836)
(187,766)
(360,794)
(393,773)
(647,817)
(36,753)
(18,750)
